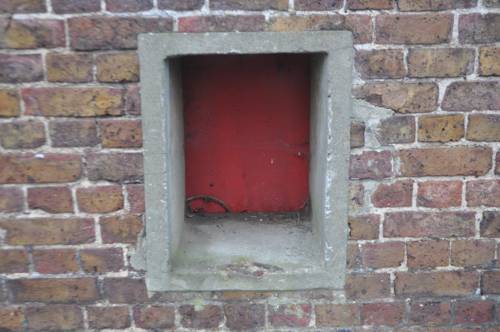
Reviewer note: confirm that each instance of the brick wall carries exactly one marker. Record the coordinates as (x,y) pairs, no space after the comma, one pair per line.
(424,241)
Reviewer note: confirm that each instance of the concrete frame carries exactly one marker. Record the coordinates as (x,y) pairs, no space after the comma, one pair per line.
(170,239)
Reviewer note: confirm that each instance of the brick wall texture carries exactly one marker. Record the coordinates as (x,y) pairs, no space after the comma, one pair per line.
(424,246)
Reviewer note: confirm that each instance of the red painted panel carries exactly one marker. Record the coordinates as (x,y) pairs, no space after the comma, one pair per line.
(247,131)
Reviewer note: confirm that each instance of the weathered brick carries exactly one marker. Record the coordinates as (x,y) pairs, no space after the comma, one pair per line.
(222,23)
(367,286)
(439,194)
(484,127)
(430,313)
(491,282)
(401,97)
(364,227)
(116,317)
(427,284)
(369,4)
(361,27)
(75,6)
(11,200)
(290,315)
(441,128)
(491,3)
(371,165)
(413,29)
(133,100)
(478,28)
(356,193)
(207,317)
(306,23)
(128,5)
(136,198)
(27,34)
(54,318)
(353,256)
(116,167)
(101,199)
(22,6)
(395,194)
(396,130)
(244,295)
(445,161)
(425,5)
(73,133)
(245,316)
(121,134)
(440,62)
(429,224)
(317,5)
(483,193)
(489,61)
(125,290)
(78,102)
(474,312)
(9,103)
(55,261)
(75,290)
(101,260)
(121,229)
(11,318)
(154,317)
(117,67)
(18,68)
(50,199)
(381,255)
(46,231)
(380,63)
(497,163)
(69,67)
(95,33)
(388,314)
(180,4)
(427,254)
(357,134)
(328,315)
(40,168)
(472,96)
(249,5)
(490,224)
(27,134)
(472,253)
(13,261)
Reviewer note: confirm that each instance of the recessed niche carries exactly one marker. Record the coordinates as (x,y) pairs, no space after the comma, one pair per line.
(246,148)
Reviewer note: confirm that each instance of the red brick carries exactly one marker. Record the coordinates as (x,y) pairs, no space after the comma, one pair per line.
(389,314)
(128,5)
(101,260)
(364,227)
(425,5)
(12,318)
(29,134)
(75,6)
(19,68)
(51,199)
(328,315)
(221,23)
(371,165)
(22,6)
(121,134)
(483,193)
(380,63)
(154,316)
(245,316)
(180,4)
(478,28)
(77,102)
(317,5)
(116,317)
(104,33)
(55,261)
(136,198)
(490,224)
(441,128)
(356,193)
(413,29)
(28,34)
(439,194)
(382,255)
(461,160)
(427,284)
(491,282)
(369,4)
(357,134)
(430,313)
(69,67)
(40,168)
(290,315)
(497,163)
(489,61)
(47,231)
(77,290)
(133,100)
(207,317)
(429,224)
(249,5)
(473,253)
(54,318)
(474,312)
(125,290)
(13,261)
(9,103)
(361,27)
(117,67)
(440,62)
(353,256)
(101,199)
(306,23)
(11,200)
(367,286)
(472,96)
(427,254)
(121,229)
(116,167)
(484,128)
(395,194)
(73,133)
